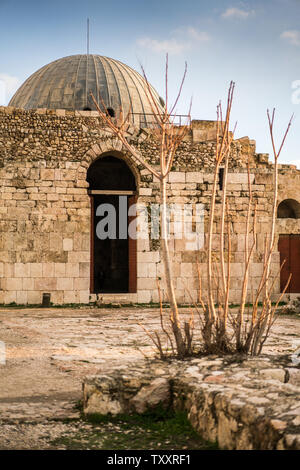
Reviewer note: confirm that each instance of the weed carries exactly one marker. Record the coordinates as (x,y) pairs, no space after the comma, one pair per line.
(156,429)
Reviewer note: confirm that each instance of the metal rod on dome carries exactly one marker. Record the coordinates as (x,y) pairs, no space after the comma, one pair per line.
(88,37)
(87,60)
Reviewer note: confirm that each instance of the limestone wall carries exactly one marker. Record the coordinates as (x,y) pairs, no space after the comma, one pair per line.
(45,206)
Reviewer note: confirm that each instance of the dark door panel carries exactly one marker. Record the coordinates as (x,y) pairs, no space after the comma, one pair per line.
(289,248)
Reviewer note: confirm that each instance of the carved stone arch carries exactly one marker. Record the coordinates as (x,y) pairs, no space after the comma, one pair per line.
(113,148)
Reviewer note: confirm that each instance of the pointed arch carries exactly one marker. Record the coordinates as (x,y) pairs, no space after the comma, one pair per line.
(112,185)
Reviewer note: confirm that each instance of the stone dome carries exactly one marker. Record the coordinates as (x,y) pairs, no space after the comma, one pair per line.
(67,82)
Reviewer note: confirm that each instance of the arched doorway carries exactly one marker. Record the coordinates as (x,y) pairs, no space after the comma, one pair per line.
(112,189)
(288,209)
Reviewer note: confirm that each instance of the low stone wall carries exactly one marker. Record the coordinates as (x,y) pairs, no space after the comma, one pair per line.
(242,403)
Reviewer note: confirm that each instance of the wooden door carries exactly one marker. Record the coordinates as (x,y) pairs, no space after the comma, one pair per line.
(132,251)
(289,248)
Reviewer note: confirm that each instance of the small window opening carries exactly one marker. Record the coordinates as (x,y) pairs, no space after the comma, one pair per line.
(111,112)
(87,109)
(288,209)
(221,178)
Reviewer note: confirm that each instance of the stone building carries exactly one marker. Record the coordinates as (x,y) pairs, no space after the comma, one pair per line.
(58,164)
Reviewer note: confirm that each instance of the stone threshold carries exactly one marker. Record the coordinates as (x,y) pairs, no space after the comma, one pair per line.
(240,402)
(121,298)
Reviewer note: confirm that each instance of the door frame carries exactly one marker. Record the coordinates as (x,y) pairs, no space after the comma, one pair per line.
(132,243)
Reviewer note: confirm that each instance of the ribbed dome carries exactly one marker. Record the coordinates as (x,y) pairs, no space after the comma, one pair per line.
(66,83)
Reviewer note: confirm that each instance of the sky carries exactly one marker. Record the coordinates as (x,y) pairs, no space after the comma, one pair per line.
(254,43)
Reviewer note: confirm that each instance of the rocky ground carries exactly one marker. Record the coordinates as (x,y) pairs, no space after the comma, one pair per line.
(49,351)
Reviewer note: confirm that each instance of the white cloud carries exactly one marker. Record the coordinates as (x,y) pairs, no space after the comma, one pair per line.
(172,46)
(8,86)
(292,36)
(184,40)
(237,13)
(197,35)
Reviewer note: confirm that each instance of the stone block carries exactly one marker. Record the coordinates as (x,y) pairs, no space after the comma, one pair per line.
(180,244)
(72,270)
(57,297)
(84,296)
(47,174)
(183,283)
(34,297)
(86,242)
(187,270)
(241,242)
(76,191)
(145,191)
(176,177)
(152,395)
(152,272)
(240,178)
(59,269)
(22,270)
(146,284)
(84,269)
(78,256)
(52,197)
(178,186)
(256,269)
(20,196)
(6,195)
(190,295)
(68,175)
(294,377)
(148,257)
(81,283)
(27,284)
(194,177)
(144,296)
(142,270)
(143,244)
(45,284)
(67,244)
(70,297)
(48,270)
(13,284)
(10,297)
(273,374)
(64,283)
(22,297)
(55,241)
(264,178)
(72,165)
(8,270)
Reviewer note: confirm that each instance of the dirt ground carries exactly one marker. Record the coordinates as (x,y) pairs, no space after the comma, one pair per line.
(49,351)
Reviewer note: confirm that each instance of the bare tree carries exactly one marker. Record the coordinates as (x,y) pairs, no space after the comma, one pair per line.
(170,136)
(222,330)
(250,333)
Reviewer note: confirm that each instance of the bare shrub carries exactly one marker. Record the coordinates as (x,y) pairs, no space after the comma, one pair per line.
(221,330)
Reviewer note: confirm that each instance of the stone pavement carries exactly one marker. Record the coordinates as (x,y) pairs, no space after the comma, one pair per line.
(50,351)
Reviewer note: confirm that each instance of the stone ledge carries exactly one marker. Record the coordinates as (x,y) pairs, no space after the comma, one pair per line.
(244,403)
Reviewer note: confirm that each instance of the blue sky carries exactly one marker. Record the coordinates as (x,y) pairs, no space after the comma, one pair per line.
(255,43)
